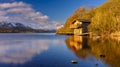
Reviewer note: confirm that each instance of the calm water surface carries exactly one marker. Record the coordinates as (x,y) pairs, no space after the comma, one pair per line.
(50,50)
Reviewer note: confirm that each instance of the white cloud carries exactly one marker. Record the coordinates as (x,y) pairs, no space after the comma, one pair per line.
(12,5)
(24,13)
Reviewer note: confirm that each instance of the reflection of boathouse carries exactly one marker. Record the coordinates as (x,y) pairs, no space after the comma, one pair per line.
(80,26)
(77,42)
(79,45)
(105,50)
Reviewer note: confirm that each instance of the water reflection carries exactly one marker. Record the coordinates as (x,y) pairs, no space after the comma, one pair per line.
(108,47)
(106,50)
(79,45)
(50,51)
(19,51)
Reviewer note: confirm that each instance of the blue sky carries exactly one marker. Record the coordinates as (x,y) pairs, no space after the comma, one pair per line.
(41,14)
(58,10)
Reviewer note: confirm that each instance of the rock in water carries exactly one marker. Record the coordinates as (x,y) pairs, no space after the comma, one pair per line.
(74,61)
(102,56)
(96,64)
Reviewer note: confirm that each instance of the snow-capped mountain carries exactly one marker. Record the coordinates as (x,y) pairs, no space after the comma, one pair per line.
(19,27)
(13,25)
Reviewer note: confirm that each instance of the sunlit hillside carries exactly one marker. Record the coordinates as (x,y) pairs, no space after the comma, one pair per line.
(105,19)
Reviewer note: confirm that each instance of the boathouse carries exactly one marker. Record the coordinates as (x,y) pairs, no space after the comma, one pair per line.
(80,27)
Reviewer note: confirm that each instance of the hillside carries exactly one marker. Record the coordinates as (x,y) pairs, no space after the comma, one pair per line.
(105,19)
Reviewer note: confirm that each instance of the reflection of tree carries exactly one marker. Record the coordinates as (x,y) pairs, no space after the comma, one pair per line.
(109,47)
(82,47)
(79,45)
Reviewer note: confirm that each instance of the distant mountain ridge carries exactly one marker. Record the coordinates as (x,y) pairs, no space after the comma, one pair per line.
(9,27)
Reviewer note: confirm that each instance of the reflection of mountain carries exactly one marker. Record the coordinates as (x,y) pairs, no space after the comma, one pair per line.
(108,47)
(6,27)
(24,48)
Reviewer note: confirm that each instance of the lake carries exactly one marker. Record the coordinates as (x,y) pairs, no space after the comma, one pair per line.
(50,50)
